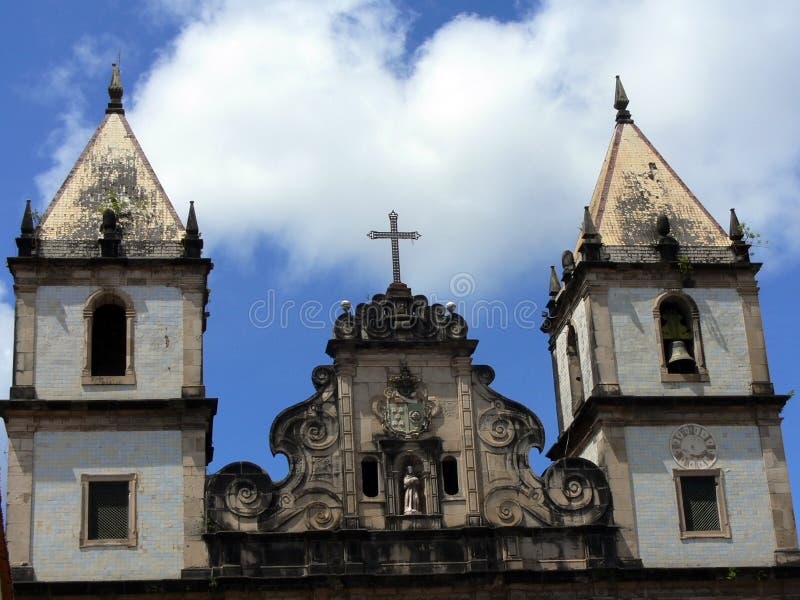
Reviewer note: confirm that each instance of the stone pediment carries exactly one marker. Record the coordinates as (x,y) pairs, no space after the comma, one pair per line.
(405,435)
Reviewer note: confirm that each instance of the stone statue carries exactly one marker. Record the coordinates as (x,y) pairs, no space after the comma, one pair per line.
(412,485)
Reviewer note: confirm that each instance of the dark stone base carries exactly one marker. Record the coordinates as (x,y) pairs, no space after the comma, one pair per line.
(22,573)
(22,392)
(411,551)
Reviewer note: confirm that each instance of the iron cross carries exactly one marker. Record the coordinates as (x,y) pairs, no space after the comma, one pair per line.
(395,236)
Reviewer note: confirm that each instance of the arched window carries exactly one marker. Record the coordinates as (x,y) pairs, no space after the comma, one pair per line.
(108,340)
(574,368)
(108,318)
(677,322)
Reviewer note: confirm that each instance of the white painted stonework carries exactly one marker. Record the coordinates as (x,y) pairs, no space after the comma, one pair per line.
(579,322)
(638,352)
(564,389)
(158,344)
(752,541)
(60,460)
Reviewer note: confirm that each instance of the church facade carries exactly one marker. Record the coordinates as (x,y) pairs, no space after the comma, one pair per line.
(408,474)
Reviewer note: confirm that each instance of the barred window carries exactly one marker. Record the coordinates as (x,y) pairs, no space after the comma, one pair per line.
(701,504)
(109,503)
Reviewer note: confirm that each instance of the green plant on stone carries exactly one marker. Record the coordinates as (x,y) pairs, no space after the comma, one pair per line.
(751,237)
(685,266)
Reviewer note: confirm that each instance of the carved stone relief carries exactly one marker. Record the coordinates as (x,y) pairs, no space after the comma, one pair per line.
(406,409)
(242,497)
(571,491)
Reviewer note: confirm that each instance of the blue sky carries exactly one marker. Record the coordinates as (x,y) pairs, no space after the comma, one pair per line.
(297,126)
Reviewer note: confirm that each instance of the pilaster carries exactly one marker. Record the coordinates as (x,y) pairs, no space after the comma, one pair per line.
(462,369)
(604,362)
(345,371)
(19,501)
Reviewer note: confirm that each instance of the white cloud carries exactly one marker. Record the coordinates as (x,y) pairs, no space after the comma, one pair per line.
(298,121)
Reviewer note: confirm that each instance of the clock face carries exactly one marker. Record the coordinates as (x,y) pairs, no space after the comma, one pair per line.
(693,447)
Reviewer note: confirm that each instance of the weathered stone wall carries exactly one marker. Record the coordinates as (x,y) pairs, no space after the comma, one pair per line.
(60,460)
(722,327)
(752,541)
(158,343)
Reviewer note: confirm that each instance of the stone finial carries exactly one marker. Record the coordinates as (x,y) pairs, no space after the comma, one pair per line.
(192,244)
(662,225)
(555,286)
(621,103)
(192,230)
(567,266)
(27,220)
(26,239)
(741,249)
(589,230)
(735,232)
(115,92)
(667,245)
(591,241)
(112,236)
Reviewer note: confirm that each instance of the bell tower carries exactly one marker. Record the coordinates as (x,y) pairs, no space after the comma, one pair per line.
(661,370)
(108,421)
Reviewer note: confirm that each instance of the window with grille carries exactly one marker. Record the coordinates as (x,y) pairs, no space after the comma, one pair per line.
(701,504)
(108,510)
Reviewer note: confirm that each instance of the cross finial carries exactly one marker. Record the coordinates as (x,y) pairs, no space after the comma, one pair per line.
(394,235)
(621,103)
(115,92)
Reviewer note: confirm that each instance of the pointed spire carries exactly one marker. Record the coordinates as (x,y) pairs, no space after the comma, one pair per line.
(192,244)
(192,230)
(115,92)
(555,286)
(589,230)
(621,103)
(591,241)
(26,240)
(735,232)
(27,220)
(741,249)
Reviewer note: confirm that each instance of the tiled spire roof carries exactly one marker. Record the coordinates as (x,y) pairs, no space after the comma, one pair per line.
(111,172)
(636,185)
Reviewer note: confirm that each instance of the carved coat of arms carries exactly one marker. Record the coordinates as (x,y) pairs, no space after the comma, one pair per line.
(406,409)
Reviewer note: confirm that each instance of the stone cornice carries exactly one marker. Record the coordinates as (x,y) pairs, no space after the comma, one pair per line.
(661,410)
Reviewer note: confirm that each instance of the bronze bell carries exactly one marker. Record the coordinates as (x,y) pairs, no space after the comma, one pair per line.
(679,353)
